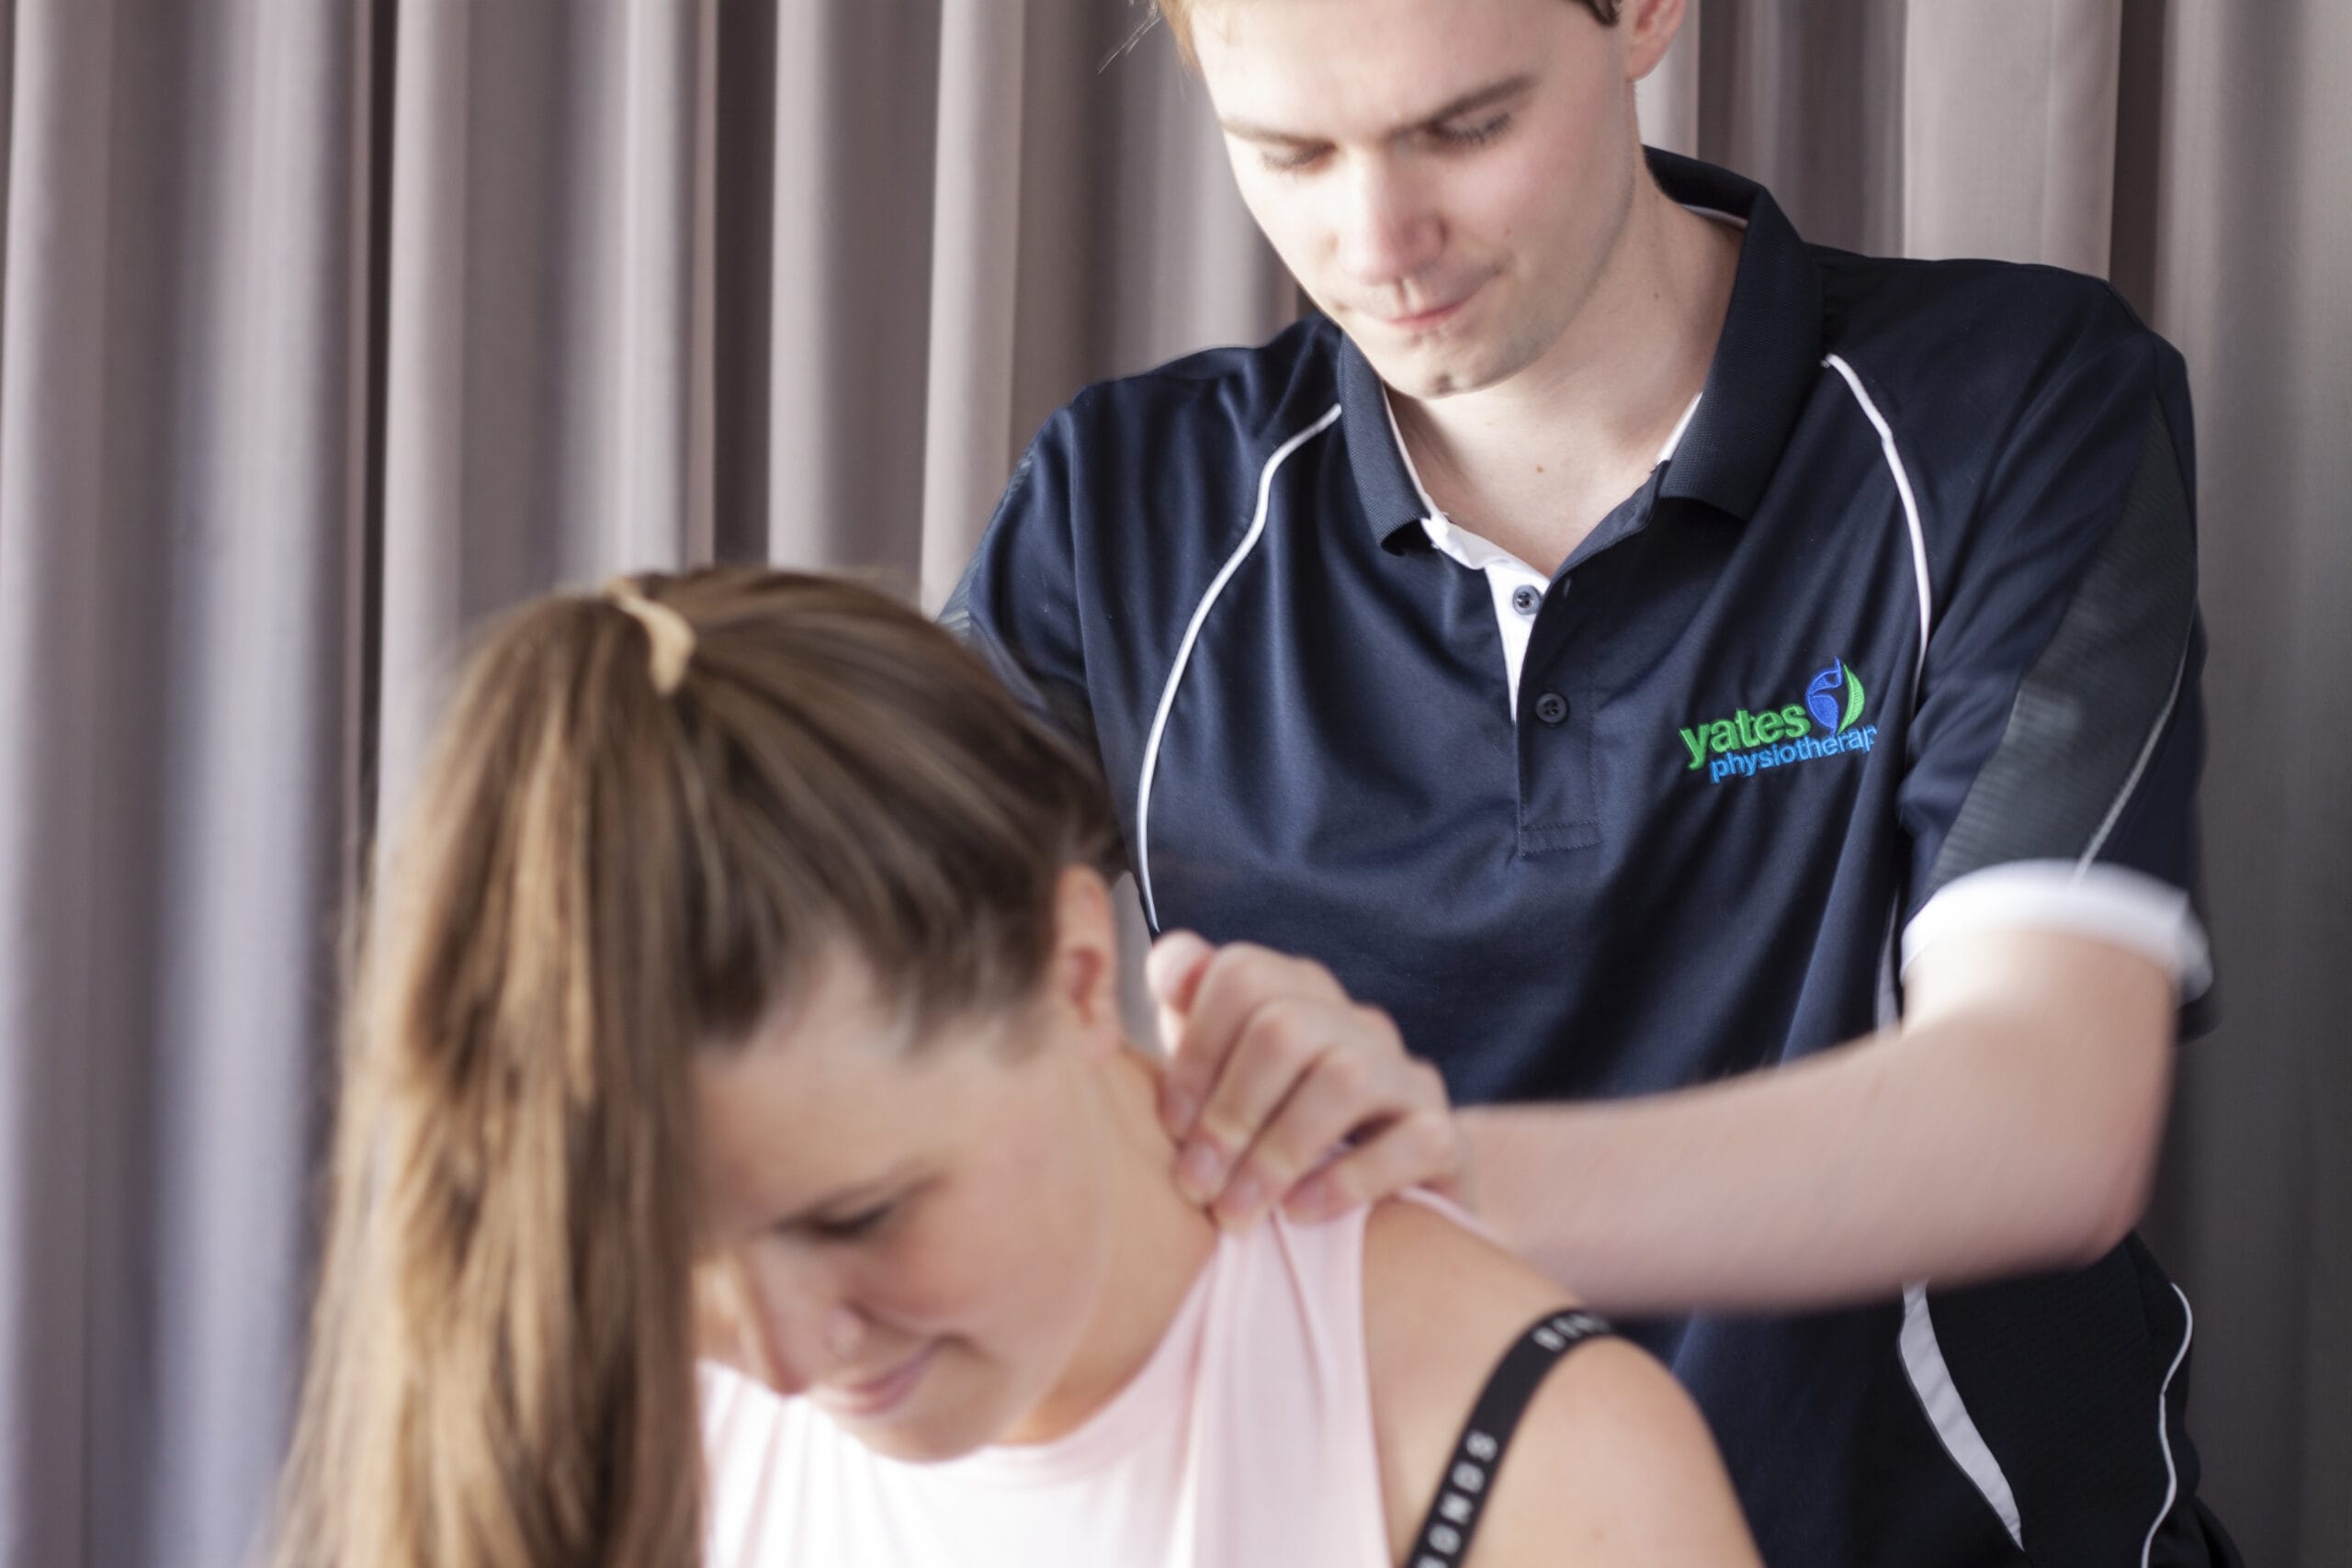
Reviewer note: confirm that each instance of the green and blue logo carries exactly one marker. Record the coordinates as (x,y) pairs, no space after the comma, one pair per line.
(1736,747)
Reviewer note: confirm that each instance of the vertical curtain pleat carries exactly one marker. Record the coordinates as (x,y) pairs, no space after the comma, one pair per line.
(975,229)
(1176,261)
(539,426)
(855,119)
(739,317)
(2246,215)
(179,438)
(1808,99)
(640,321)
(426,420)
(2008,129)
(54,425)
(251,670)
(700,391)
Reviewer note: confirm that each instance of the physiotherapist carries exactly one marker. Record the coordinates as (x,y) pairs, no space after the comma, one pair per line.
(1729,707)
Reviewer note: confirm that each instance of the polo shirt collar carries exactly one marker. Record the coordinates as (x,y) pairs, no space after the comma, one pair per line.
(1384,484)
(1764,363)
(1770,353)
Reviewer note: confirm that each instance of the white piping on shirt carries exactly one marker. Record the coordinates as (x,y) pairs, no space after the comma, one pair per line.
(1931,1376)
(1910,510)
(2172,1476)
(2155,733)
(1923,1356)
(1184,654)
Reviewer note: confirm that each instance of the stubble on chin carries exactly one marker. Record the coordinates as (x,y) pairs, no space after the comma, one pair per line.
(1420,373)
(1430,381)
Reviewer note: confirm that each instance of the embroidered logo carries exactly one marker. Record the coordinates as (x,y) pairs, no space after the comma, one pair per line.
(1736,747)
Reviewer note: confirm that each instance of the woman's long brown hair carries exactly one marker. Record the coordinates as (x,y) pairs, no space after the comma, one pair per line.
(594,880)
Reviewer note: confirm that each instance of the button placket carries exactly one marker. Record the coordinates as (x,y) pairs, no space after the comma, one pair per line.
(1555,783)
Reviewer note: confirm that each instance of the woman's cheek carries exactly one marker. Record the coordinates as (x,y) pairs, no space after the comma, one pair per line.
(933,1275)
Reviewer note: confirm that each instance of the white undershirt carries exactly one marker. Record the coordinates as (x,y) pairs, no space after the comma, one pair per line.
(1506,573)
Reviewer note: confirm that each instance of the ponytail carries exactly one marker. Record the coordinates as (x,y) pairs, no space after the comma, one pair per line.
(648,815)
(501,1372)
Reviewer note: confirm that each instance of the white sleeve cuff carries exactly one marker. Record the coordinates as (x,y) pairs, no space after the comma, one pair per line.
(2129,908)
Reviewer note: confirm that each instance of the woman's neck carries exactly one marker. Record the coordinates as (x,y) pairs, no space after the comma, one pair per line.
(1159,1243)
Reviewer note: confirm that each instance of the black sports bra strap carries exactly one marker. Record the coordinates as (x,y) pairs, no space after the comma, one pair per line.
(1454,1515)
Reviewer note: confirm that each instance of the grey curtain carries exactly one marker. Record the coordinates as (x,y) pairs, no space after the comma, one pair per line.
(327,326)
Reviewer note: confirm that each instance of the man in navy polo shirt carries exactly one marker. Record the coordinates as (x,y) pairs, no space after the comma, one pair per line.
(1730,706)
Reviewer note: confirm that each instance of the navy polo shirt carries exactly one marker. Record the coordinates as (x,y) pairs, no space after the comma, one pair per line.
(1899,641)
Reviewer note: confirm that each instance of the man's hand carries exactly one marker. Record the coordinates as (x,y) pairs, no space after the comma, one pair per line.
(1272,1068)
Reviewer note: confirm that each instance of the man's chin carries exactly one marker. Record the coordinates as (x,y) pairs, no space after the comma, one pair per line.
(1425,377)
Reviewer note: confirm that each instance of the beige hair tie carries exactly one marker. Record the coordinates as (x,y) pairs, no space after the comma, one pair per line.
(672,634)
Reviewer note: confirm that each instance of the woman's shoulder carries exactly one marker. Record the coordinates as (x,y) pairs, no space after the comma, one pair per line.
(1629,1471)
(1428,1270)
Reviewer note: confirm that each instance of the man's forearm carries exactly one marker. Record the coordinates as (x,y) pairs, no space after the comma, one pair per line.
(1951,1153)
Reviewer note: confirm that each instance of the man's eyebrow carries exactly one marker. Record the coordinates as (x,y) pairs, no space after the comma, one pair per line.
(1476,98)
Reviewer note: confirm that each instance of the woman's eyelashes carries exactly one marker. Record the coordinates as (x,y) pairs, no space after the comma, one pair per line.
(856,1226)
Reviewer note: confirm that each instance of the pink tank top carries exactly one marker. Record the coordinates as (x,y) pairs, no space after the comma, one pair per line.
(1246,1440)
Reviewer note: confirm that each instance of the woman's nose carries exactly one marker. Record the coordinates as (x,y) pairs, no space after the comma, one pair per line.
(807,1335)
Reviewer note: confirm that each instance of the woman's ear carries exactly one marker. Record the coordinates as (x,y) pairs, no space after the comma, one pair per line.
(1085,969)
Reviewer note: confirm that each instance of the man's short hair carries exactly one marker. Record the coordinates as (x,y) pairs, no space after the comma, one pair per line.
(1178,14)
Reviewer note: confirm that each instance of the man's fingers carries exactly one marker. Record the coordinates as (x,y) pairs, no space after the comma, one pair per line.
(1173,969)
(1270,1066)
(1231,986)
(1346,1088)
(1272,1053)
(1421,1150)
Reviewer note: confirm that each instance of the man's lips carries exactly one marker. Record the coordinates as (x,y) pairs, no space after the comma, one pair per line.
(1421,321)
(877,1395)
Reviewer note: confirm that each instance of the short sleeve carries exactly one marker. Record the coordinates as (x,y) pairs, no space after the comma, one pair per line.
(2058,733)
(1017,601)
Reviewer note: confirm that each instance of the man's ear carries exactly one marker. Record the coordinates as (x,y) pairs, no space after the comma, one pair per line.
(1645,28)
(1084,974)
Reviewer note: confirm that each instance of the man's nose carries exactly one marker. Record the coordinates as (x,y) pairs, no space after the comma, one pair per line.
(1389,233)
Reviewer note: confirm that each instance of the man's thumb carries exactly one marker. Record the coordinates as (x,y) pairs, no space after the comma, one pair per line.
(1173,969)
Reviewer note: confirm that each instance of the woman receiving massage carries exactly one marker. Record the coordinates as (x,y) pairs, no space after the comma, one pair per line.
(742,984)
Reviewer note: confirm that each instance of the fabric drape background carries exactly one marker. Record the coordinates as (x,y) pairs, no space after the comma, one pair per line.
(329,326)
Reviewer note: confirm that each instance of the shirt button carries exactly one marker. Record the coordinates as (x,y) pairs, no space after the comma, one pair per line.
(1525,598)
(1551,708)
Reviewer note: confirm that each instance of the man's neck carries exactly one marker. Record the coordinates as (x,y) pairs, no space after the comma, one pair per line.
(1535,461)
(1159,1244)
